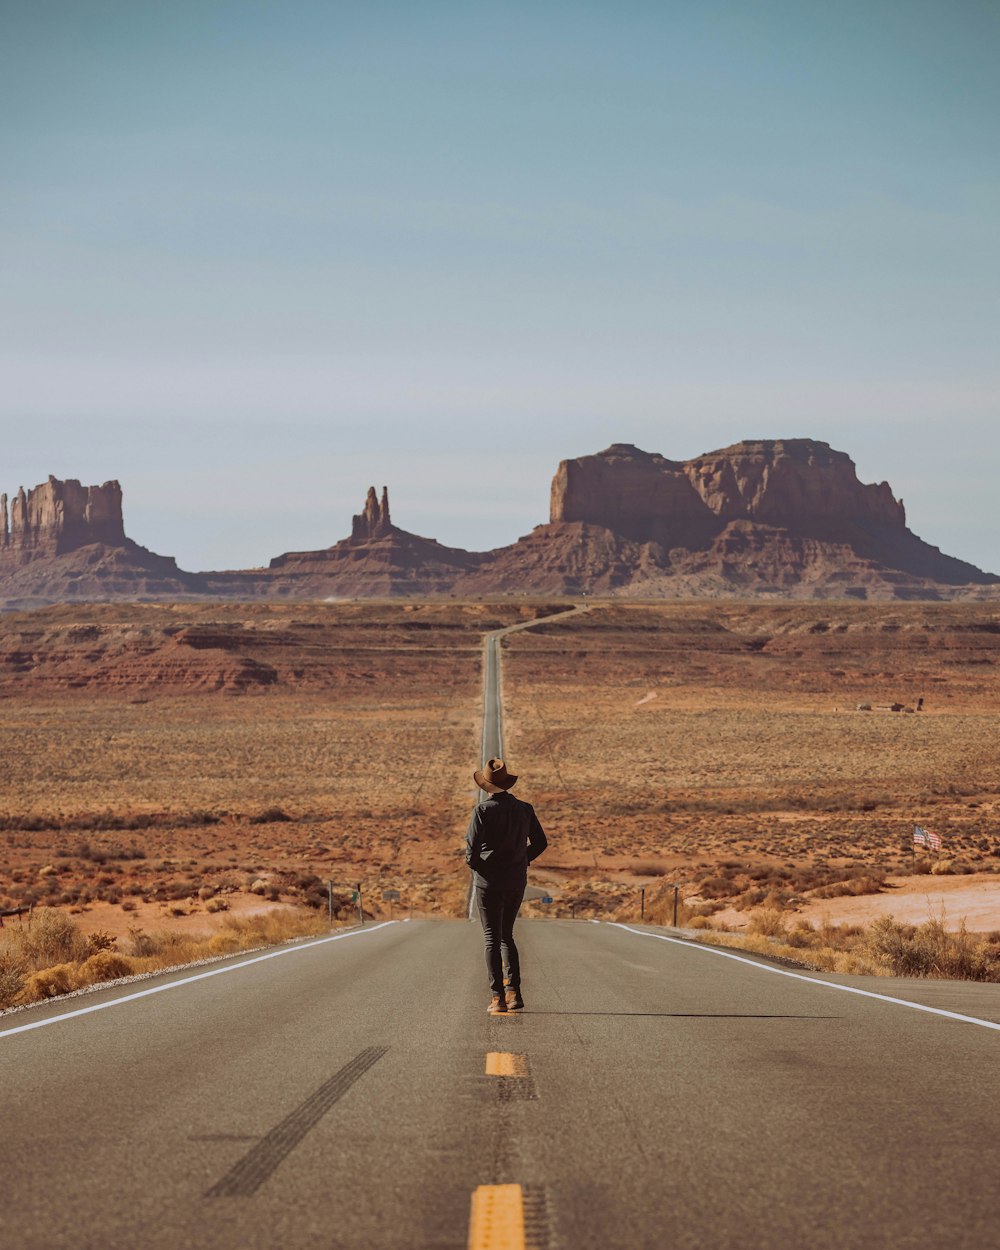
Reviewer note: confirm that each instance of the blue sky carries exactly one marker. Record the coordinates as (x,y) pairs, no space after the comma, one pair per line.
(257,256)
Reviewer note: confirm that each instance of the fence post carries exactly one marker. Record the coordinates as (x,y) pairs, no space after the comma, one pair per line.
(361,906)
(642,903)
(676,891)
(329,899)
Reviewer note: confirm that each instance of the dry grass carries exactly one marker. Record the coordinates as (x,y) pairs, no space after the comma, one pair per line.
(135,787)
(885,948)
(52,955)
(721,743)
(712,745)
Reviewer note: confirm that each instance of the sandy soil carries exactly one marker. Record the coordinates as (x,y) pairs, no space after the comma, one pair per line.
(149,752)
(191,919)
(915,900)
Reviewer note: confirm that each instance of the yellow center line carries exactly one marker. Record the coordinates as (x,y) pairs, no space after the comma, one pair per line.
(501,1063)
(496,1219)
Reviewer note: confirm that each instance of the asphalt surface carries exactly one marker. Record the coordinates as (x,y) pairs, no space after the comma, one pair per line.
(336,1096)
(492,734)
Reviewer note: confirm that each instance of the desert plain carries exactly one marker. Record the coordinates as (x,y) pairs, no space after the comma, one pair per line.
(167,765)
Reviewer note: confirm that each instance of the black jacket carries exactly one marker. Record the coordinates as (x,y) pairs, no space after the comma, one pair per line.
(504,837)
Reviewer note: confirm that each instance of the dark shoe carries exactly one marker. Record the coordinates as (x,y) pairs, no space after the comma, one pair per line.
(514,1000)
(497,1006)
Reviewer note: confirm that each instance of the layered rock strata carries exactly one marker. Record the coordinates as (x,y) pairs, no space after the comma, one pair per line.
(61,540)
(57,517)
(784,517)
(378,559)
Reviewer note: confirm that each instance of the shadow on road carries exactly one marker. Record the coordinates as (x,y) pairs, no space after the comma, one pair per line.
(678,1015)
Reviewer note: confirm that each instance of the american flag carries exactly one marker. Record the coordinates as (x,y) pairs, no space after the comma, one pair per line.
(919,836)
(933,840)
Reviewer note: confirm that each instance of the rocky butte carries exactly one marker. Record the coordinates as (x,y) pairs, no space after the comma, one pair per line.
(775,516)
(62,540)
(58,517)
(378,559)
(767,517)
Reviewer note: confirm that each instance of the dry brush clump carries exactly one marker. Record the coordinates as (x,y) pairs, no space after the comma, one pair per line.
(886,947)
(51,956)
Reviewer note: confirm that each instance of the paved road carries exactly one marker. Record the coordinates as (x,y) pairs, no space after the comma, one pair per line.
(336,1095)
(492,736)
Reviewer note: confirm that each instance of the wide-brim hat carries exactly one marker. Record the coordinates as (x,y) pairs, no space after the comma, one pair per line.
(493,777)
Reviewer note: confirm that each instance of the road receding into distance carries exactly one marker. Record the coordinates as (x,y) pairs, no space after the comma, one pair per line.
(351,1092)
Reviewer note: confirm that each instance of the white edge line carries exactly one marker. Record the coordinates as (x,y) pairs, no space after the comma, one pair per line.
(198,976)
(798,976)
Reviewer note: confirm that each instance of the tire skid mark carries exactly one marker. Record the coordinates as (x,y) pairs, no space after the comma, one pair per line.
(250,1172)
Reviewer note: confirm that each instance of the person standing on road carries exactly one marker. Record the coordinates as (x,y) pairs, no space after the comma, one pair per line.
(504,837)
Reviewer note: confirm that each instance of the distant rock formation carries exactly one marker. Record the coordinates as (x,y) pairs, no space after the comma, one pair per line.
(799,484)
(374,521)
(61,540)
(57,517)
(766,517)
(379,559)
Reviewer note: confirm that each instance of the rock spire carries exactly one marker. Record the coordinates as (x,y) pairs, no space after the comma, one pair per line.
(374,520)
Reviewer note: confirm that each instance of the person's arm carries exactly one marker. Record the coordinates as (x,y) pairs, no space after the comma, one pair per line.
(472,841)
(537,841)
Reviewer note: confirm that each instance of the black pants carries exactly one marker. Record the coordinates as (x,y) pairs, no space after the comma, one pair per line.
(498,906)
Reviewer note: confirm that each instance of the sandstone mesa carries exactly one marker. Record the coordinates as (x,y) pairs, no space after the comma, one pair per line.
(773,518)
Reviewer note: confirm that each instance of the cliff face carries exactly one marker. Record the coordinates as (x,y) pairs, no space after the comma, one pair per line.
(785,516)
(798,484)
(63,541)
(767,517)
(58,517)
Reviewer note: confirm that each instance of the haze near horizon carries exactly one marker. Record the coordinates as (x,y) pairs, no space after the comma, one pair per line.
(258,257)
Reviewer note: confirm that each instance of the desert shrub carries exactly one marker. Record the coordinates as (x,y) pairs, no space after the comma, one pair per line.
(13,970)
(767,922)
(104,965)
(48,982)
(928,950)
(116,851)
(269,816)
(958,867)
(716,887)
(34,963)
(143,944)
(869,883)
(649,868)
(891,947)
(216,904)
(201,817)
(224,942)
(51,938)
(802,935)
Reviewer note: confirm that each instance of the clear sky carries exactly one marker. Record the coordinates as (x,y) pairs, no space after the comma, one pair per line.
(257,256)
